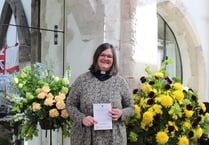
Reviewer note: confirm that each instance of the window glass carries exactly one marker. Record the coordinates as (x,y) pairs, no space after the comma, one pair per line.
(168,48)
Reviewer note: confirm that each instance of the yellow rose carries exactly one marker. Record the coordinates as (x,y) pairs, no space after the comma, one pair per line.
(36,107)
(49,102)
(42,95)
(53,113)
(60,105)
(60,97)
(45,89)
(64,114)
(50,95)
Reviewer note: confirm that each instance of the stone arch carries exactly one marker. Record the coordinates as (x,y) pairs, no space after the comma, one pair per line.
(189,44)
(15,7)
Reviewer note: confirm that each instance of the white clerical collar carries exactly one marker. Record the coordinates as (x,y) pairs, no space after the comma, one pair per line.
(102,72)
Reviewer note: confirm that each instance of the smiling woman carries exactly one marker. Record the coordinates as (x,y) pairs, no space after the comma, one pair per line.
(101,84)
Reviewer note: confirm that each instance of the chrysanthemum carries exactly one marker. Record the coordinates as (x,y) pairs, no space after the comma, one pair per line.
(170,111)
(157,109)
(143,102)
(178,86)
(166,100)
(146,88)
(178,95)
(203,107)
(183,141)
(188,113)
(137,110)
(162,137)
(207,116)
(148,117)
(199,132)
(159,74)
(187,125)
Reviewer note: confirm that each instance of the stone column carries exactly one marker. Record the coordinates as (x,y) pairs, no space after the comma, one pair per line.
(138,39)
(127,39)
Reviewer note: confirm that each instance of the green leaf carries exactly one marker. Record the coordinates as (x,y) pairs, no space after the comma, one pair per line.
(148,70)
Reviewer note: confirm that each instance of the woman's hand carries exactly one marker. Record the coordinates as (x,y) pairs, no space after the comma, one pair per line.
(115,114)
(88,121)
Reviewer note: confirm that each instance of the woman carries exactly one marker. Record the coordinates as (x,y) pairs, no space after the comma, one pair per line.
(100,84)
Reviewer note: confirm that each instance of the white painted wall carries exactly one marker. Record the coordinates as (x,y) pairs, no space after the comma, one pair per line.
(84,32)
(197,13)
(52,13)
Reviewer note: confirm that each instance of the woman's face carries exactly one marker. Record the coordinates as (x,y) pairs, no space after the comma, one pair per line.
(105,60)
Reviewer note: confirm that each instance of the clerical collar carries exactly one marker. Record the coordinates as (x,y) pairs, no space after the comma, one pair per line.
(102,75)
(103,72)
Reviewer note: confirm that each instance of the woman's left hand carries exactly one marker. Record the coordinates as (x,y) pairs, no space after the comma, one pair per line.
(115,114)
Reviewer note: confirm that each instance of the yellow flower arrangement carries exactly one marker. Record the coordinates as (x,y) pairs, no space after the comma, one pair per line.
(166,112)
(40,99)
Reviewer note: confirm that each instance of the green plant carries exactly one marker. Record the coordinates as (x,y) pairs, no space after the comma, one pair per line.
(40,99)
(166,112)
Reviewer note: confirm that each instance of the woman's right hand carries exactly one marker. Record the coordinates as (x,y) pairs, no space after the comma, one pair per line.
(89,121)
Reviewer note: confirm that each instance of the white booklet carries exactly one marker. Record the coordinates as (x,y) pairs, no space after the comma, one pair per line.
(102,116)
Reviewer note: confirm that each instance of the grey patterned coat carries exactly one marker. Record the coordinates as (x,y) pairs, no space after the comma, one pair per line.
(86,91)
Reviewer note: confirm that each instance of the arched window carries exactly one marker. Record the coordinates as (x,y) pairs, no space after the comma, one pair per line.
(168,48)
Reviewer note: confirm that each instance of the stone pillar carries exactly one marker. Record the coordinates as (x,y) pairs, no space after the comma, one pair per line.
(112,22)
(138,39)
(127,39)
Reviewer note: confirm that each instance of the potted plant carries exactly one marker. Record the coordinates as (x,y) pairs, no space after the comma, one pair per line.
(166,112)
(39,99)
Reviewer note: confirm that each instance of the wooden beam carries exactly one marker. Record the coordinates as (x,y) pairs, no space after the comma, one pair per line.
(5,19)
(16,7)
(35,34)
